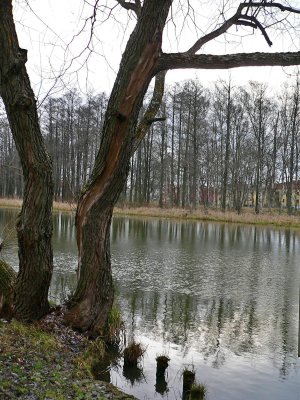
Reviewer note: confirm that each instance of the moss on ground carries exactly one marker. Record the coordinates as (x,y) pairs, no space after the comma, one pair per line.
(36,364)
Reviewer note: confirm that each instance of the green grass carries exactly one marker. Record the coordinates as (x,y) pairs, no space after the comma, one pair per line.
(28,335)
(115,326)
(198,392)
(38,363)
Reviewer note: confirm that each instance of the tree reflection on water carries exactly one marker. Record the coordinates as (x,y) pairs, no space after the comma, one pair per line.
(216,295)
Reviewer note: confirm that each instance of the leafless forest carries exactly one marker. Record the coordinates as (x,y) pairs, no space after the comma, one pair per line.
(216,146)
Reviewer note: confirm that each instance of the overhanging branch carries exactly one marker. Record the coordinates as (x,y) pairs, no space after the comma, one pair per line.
(256,24)
(270,4)
(239,19)
(226,61)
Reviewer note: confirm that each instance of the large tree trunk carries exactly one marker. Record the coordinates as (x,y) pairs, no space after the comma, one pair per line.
(34,226)
(94,294)
(93,298)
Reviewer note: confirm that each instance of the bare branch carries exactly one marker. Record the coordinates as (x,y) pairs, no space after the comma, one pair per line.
(214,34)
(246,23)
(258,25)
(226,61)
(185,60)
(271,4)
(238,19)
(135,7)
(159,119)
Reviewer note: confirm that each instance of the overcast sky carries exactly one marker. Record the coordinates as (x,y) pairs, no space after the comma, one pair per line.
(49,29)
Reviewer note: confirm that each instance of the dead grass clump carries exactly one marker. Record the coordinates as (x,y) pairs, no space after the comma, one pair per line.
(188,380)
(198,392)
(132,353)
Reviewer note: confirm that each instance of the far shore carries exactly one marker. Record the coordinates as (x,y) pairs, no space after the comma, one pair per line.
(247,216)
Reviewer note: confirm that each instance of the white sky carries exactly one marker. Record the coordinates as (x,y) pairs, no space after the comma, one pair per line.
(49,26)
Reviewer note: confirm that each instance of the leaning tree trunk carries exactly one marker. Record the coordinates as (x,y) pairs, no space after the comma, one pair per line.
(34,225)
(93,298)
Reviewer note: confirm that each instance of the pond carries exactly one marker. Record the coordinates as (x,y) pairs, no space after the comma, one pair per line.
(221,299)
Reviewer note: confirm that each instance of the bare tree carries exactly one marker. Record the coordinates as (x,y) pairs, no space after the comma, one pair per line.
(142,60)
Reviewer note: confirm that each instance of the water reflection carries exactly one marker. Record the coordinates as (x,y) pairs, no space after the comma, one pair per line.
(133,374)
(221,297)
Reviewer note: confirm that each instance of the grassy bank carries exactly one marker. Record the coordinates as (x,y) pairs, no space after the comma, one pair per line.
(46,361)
(57,206)
(248,216)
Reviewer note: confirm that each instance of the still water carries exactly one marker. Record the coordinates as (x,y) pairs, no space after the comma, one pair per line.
(220,298)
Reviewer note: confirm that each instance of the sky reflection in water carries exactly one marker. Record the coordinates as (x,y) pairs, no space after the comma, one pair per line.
(221,297)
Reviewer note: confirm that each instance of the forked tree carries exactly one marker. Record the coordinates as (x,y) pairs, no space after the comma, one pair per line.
(142,60)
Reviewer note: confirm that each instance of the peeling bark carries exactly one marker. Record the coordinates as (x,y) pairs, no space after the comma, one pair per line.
(93,298)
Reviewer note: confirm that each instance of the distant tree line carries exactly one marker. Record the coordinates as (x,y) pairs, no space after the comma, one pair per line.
(224,146)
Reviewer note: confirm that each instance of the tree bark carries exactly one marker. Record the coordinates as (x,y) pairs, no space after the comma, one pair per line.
(227,148)
(162,165)
(34,226)
(185,171)
(259,159)
(179,156)
(226,61)
(7,285)
(93,298)
(293,134)
(194,177)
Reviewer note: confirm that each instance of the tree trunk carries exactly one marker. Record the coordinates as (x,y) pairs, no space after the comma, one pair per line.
(7,284)
(194,185)
(162,166)
(93,298)
(34,226)
(138,177)
(132,175)
(94,293)
(148,163)
(227,148)
(259,160)
(172,177)
(291,166)
(178,192)
(186,159)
